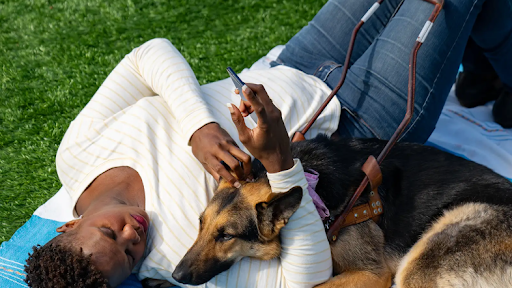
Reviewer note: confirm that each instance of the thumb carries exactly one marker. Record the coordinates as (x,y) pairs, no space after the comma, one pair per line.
(238,120)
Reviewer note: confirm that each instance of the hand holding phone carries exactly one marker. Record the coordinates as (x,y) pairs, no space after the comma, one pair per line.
(239,84)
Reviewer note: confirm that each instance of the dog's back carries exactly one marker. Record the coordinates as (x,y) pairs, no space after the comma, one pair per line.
(419,182)
(469,246)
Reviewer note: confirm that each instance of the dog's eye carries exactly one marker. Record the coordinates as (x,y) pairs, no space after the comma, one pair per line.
(224,237)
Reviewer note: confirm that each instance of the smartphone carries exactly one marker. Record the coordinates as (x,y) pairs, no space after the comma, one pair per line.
(239,84)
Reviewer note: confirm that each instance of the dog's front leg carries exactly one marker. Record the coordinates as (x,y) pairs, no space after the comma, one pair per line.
(358,279)
(358,258)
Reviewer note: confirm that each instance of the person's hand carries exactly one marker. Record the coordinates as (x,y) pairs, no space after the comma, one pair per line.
(211,144)
(245,106)
(269,141)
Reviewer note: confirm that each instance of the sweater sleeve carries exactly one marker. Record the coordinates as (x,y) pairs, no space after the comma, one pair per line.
(155,68)
(306,255)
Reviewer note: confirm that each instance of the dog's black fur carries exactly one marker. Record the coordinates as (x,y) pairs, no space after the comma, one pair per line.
(419,182)
(446,220)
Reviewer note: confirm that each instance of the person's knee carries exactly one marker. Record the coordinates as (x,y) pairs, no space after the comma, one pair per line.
(419,130)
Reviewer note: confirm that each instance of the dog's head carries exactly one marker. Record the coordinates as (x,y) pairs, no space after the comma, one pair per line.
(237,223)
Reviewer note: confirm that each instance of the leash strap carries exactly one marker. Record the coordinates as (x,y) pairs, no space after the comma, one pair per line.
(371,210)
(299,135)
(373,176)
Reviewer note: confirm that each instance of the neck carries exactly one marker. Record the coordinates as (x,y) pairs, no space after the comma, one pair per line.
(120,185)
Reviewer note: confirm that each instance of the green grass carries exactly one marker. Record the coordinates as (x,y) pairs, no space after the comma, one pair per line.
(55,54)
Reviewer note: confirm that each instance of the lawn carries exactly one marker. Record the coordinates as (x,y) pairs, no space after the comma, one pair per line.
(55,54)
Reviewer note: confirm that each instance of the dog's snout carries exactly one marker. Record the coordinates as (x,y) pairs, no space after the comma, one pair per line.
(182,274)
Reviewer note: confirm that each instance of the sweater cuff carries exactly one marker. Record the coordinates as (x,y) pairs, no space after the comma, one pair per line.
(194,120)
(283,181)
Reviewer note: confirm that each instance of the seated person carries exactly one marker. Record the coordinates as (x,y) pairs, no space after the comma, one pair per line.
(128,162)
(479,83)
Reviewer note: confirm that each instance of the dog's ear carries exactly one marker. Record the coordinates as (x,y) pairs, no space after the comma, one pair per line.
(273,215)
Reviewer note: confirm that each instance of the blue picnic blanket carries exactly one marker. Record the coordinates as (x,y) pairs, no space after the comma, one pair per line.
(14,252)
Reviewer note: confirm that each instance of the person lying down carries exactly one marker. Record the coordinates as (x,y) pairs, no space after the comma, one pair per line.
(143,158)
(128,163)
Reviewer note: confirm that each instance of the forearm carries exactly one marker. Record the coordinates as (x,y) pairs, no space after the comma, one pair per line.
(155,68)
(168,74)
(306,256)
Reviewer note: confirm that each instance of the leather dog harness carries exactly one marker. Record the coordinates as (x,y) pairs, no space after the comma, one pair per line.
(369,210)
(373,209)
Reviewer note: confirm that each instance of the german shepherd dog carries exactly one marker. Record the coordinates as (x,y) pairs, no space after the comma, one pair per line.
(447,221)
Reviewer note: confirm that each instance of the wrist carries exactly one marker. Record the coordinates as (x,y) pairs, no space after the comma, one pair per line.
(278,163)
(198,131)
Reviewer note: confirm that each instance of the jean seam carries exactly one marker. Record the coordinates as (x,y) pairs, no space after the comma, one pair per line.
(352,18)
(330,71)
(325,64)
(360,120)
(437,77)
(326,35)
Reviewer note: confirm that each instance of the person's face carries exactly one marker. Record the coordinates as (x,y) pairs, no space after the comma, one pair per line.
(115,236)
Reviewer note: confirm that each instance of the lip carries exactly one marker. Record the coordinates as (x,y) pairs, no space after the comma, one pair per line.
(142,222)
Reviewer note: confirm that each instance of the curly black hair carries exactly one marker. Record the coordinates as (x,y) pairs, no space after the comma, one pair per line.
(58,265)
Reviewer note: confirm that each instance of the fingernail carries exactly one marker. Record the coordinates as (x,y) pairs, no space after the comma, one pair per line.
(245,89)
(230,107)
(237,184)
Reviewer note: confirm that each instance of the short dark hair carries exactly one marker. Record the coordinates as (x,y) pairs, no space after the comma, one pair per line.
(59,265)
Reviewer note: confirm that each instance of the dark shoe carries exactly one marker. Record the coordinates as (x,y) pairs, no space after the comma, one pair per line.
(474,89)
(502,109)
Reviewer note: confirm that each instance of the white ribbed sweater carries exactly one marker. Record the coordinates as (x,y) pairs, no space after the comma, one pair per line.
(123,126)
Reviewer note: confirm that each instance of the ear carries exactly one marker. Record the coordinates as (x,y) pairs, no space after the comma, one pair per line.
(69,225)
(273,215)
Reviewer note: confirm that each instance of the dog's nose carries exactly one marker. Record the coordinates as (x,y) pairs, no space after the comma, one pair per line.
(182,275)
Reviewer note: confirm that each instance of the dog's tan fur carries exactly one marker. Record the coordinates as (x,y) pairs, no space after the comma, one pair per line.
(243,213)
(363,262)
(214,217)
(358,279)
(417,269)
(359,256)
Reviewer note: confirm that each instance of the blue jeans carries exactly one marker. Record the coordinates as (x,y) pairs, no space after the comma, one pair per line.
(374,95)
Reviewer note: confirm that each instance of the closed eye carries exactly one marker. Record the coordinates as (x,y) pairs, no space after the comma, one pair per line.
(107,231)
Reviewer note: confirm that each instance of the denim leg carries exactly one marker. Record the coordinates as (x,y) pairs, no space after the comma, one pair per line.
(326,38)
(493,34)
(375,91)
